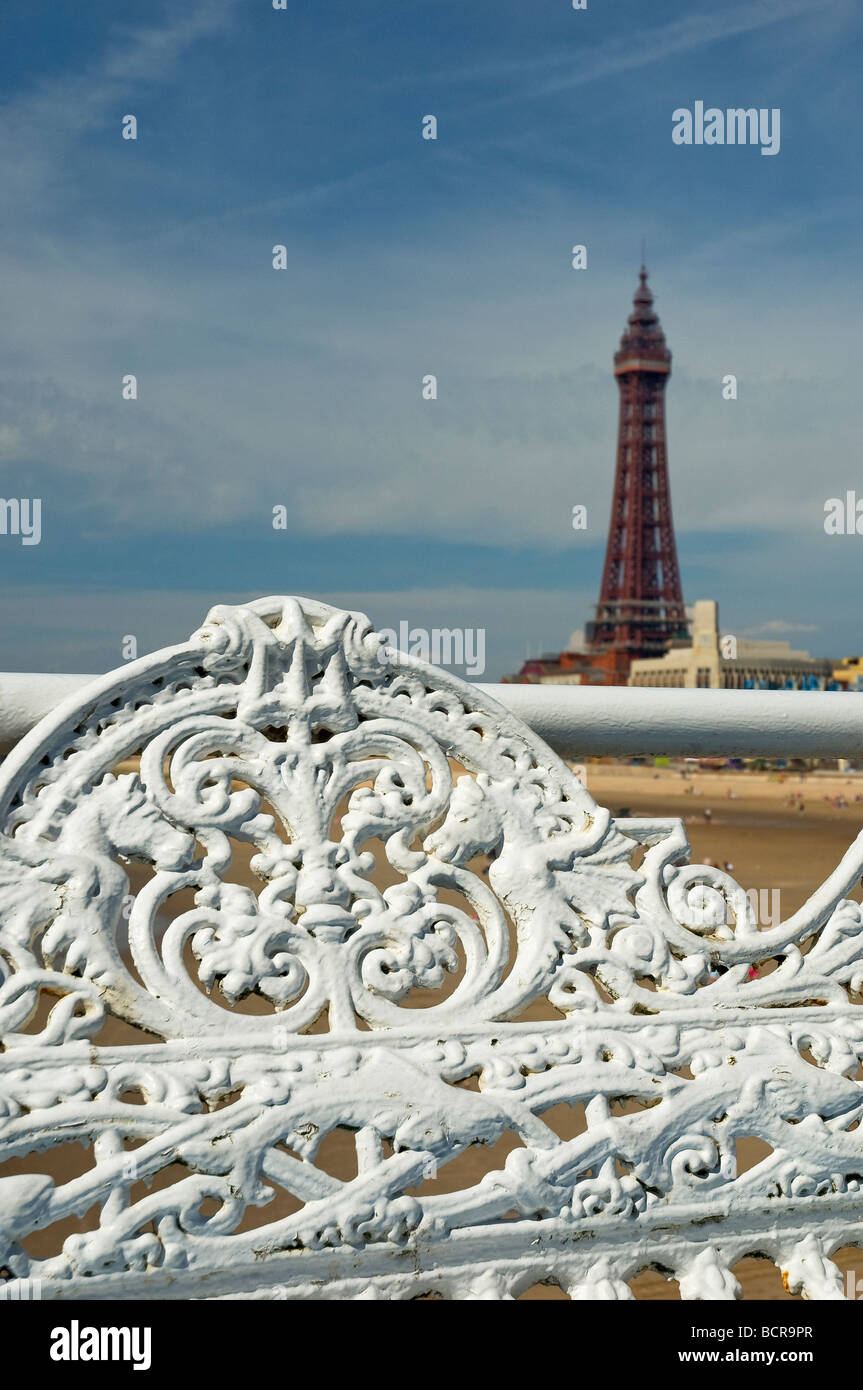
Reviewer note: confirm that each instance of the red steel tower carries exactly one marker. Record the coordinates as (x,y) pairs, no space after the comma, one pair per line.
(640,609)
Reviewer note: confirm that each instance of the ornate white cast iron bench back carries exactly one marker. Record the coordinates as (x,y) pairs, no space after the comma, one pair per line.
(529,954)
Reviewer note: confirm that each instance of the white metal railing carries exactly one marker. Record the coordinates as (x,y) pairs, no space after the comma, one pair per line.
(448,943)
(582,721)
(621,721)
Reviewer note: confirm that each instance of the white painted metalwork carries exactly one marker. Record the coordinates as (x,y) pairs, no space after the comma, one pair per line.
(450,939)
(620,721)
(27,696)
(584,722)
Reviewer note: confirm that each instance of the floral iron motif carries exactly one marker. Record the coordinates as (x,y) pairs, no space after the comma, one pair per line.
(449,939)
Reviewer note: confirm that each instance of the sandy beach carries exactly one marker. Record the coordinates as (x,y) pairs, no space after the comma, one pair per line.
(752,820)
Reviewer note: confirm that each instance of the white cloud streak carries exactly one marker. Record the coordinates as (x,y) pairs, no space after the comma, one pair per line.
(563,70)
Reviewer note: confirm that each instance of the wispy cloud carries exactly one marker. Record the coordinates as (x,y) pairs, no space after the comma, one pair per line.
(311,196)
(559,71)
(303,388)
(41,121)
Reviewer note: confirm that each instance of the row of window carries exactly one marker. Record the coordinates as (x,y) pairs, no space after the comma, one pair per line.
(734,681)
(738,681)
(670,678)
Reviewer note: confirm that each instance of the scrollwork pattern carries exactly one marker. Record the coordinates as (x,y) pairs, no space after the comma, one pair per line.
(423,875)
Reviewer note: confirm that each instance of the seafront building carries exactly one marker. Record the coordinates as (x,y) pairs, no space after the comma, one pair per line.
(640,635)
(712,662)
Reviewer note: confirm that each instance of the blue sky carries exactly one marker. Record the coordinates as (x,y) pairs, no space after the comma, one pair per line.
(302,387)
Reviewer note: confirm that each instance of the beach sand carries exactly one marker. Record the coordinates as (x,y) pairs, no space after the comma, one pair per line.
(772,845)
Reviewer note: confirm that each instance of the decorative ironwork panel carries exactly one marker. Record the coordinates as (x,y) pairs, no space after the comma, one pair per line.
(281,883)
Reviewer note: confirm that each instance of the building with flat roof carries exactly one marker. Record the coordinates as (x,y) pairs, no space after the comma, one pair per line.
(712,662)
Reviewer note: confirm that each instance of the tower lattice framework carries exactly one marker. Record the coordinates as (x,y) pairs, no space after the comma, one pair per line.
(640,607)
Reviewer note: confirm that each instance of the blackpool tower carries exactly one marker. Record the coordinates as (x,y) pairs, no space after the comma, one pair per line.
(640,610)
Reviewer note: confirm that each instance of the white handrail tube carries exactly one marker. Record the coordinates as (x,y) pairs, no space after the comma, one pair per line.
(621,721)
(587,721)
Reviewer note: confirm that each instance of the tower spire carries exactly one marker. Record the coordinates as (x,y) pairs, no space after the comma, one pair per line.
(640,607)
